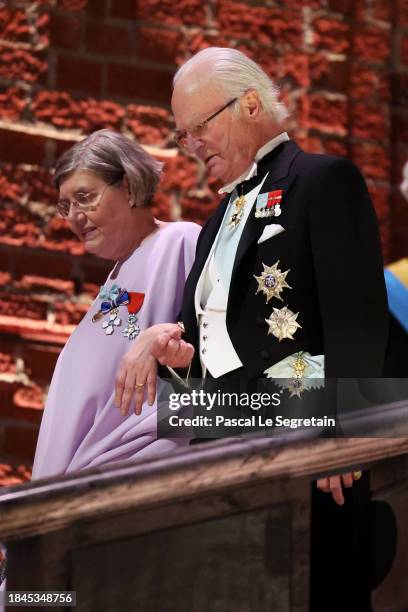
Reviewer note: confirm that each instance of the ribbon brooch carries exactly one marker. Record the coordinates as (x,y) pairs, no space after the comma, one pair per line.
(112,300)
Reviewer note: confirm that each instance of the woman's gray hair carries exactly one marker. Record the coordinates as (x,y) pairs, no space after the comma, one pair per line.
(236,74)
(113,156)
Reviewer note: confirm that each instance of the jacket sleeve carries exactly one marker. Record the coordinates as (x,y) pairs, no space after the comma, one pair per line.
(349,275)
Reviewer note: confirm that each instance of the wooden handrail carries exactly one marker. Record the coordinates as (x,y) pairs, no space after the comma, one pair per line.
(52,504)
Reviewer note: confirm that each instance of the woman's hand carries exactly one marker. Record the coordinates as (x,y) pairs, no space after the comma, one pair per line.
(137,373)
(333,484)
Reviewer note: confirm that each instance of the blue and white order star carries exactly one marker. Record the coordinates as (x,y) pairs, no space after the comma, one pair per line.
(272,281)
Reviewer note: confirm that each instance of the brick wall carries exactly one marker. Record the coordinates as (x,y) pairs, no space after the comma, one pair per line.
(69,67)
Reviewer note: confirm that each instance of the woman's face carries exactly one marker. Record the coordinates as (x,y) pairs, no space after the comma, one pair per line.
(103,226)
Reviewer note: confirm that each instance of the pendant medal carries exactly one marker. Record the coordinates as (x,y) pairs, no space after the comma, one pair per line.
(112,322)
(238,213)
(132,329)
(296,385)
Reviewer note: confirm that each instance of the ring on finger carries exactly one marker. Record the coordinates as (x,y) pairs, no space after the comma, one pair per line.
(139,385)
(357,475)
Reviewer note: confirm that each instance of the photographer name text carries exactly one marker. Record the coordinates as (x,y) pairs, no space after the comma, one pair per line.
(254,420)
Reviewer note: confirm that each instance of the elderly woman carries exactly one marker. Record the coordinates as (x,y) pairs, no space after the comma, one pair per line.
(106,186)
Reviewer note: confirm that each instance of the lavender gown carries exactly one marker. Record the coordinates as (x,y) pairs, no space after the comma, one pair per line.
(81,426)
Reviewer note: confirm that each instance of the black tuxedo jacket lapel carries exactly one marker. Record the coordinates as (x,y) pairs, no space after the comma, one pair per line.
(278,164)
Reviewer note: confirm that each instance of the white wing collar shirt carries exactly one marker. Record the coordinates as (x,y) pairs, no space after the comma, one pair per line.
(217,353)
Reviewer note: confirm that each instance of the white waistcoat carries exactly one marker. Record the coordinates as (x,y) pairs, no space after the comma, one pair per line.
(217,353)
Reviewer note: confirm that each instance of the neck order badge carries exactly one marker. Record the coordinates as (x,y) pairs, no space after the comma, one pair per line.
(268,204)
(237,215)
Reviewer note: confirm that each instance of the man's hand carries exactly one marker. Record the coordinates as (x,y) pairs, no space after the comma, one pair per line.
(333,484)
(171,350)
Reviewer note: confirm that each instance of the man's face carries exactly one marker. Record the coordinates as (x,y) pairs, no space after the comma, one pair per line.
(225,146)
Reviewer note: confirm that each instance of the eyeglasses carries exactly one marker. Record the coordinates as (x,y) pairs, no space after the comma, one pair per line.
(84,201)
(180,136)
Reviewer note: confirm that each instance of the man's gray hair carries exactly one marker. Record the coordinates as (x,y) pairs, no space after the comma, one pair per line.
(236,74)
(113,156)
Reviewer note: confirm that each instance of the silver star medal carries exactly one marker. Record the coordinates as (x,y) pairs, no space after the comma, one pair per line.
(238,213)
(112,322)
(282,323)
(132,330)
(272,281)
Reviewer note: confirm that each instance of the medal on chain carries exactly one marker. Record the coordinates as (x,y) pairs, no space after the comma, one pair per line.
(238,212)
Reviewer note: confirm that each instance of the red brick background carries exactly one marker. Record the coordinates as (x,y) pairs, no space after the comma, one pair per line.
(68,67)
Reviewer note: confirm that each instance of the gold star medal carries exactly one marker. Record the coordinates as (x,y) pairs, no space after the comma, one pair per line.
(282,323)
(272,281)
(238,213)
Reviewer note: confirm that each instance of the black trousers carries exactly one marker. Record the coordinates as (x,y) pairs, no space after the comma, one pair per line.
(342,567)
(352,546)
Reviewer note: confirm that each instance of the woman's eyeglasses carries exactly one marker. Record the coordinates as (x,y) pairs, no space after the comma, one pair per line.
(84,201)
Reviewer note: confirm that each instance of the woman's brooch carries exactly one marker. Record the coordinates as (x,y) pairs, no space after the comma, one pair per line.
(111,300)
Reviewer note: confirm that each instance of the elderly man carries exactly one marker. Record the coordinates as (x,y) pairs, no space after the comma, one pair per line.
(290,262)
(288,270)
(288,276)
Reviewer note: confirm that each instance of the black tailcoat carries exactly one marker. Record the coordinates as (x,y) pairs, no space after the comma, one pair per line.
(331,247)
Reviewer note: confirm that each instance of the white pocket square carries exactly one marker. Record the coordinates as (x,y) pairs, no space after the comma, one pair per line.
(273,229)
